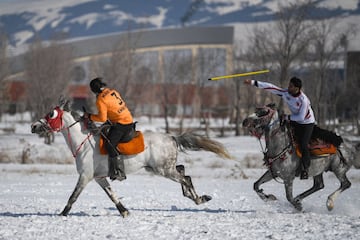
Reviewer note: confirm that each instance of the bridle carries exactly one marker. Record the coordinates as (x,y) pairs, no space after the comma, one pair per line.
(262,125)
(55,123)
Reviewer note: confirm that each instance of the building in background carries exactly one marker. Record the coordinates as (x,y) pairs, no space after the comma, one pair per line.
(155,51)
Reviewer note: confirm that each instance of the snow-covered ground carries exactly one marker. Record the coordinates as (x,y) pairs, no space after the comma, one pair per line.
(32,196)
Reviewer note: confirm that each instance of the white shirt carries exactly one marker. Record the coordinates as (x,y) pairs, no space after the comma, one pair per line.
(300,106)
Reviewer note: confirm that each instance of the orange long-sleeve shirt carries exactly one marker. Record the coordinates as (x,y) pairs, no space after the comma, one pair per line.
(111,107)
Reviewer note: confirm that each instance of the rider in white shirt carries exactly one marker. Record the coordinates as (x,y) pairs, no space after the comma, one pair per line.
(302,116)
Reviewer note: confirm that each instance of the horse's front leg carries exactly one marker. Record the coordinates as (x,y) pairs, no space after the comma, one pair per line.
(289,194)
(112,195)
(263,179)
(318,184)
(80,185)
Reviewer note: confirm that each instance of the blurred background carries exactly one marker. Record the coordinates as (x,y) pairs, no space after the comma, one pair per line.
(160,54)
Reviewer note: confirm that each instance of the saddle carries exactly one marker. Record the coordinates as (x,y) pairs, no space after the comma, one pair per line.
(323,143)
(319,148)
(132,144)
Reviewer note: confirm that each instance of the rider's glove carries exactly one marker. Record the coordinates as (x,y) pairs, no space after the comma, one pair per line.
(86,115)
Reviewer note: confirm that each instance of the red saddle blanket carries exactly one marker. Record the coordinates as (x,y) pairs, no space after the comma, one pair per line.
(134,146)
(318,148)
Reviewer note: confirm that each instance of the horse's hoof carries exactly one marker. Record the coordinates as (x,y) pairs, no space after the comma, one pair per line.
(65,212)
(125,214)
(298,206)
(330,204)
(206,198)
(271,197)
(203,199)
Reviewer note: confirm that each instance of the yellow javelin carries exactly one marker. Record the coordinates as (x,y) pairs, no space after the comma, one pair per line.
(239,75)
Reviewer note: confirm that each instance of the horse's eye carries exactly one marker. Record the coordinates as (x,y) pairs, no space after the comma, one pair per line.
(53,114)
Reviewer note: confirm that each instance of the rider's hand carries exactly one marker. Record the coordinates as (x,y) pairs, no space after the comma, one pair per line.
(247,81)
(284,118)
(86,115)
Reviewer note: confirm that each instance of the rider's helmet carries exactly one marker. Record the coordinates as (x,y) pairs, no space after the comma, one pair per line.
(97,85)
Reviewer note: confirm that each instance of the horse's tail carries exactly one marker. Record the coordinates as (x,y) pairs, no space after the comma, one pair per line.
(195,142)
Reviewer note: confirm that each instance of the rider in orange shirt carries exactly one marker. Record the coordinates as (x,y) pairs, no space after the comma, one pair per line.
(112,107)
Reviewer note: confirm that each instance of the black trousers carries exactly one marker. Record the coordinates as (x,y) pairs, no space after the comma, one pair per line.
(117,133)
(303,134)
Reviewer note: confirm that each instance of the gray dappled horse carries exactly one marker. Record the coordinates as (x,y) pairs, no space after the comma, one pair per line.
(282,161)
(159,156)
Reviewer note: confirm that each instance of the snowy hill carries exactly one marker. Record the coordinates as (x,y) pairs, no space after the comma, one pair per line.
(22,20)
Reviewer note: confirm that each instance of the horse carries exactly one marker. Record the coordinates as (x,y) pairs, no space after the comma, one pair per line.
(282,161)
(159,156)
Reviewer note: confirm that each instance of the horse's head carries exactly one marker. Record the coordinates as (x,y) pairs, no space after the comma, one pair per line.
(260,119)
(53,121)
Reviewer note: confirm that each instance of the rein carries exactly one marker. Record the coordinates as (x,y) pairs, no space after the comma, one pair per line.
(76,151)
(282,155)
(269,160)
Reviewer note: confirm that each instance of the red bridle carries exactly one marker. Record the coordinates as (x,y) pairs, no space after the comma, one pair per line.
(54,119)
(55,123)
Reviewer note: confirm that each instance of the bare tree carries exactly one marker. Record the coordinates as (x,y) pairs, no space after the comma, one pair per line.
(120,70)
(209,62)
(141,88)
(176,65)
(253,58)
(47,73)
(4,71)
(284,43)
(326,44)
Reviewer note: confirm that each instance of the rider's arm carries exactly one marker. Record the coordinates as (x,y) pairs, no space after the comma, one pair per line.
(102,112)
(269,87)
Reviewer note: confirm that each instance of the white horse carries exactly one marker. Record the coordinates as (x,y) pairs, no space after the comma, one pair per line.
(159,156)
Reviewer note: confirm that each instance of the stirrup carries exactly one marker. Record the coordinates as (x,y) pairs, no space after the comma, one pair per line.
(304,175)
(117,177)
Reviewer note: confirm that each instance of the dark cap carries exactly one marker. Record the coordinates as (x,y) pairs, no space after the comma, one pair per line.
(296,82)
(96,84)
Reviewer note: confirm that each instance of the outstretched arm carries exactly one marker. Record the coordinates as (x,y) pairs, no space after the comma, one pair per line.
(266,86)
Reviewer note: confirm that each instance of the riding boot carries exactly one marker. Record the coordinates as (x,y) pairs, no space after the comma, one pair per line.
(116,168)
(304,173)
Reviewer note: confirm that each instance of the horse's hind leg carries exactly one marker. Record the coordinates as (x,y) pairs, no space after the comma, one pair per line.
(344,184)
(263,179)
(318,184)
(80,185)
(104,184)
(188,188)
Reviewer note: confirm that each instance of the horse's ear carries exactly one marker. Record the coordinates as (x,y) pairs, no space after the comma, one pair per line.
(64,103)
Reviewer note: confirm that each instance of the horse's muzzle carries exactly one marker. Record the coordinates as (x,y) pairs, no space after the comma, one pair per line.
(247,122)
(38,127)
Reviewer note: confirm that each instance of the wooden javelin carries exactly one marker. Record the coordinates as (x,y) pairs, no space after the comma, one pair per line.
(239,75)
